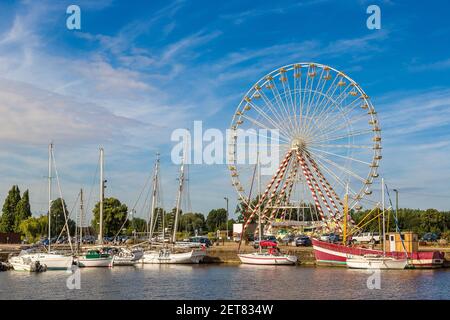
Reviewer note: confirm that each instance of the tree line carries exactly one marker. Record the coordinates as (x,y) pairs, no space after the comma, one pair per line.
(17,217)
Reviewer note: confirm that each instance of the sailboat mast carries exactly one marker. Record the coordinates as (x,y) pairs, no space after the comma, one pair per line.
(154,191)
(81,217)
(50,147)
(102,190)
(384,226)
(180,191)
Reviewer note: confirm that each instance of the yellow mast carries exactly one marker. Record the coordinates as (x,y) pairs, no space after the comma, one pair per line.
(344,233)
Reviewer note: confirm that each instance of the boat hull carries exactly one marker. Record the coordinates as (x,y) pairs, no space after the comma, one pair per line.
(266,259)
(332,254)
(94,262)
(19,264)
(376,263)
(129,259)
(53,261)
(157,257)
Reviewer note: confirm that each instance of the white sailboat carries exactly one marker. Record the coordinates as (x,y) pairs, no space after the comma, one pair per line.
(166,254)
(98,258)
(52,260)
(268,253)
(372,261)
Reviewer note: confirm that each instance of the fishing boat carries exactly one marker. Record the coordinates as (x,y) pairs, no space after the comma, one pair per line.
(344,254)
(21,263)
(167,253)
(95,258)
(271,256)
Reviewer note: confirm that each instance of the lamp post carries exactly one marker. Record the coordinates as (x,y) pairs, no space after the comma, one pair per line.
(226,221)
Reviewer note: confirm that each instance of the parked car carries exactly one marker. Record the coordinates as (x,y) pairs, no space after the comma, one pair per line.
(201,239)
(331,237)
(288,239)
(430,237)
(264,238)
(303,241)
(367,237)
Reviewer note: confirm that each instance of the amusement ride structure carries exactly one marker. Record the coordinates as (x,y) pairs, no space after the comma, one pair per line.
(328,137)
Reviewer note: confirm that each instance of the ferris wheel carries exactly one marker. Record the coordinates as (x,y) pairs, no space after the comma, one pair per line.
(328,138)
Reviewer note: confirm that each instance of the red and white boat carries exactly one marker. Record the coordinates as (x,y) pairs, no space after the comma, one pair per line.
(271,256)
(336,255)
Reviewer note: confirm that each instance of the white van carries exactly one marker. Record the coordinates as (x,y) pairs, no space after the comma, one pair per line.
(367,237)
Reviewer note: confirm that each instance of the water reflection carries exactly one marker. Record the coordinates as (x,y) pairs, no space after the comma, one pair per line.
(226,282)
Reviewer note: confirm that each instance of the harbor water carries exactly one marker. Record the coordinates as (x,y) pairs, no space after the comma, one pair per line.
(227,282)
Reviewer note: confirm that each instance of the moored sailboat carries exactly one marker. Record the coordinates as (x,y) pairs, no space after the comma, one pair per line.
(268,253)
(166,254)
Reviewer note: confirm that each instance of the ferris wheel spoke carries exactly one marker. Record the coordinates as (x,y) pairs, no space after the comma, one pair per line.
(288,95)
(280,117)
(281,104)
(318,108)
(340,156)
(275,125)
(338,166)
(351,134)
(347,146)
(350,107)
(334,176)
(282,139)
(350,121)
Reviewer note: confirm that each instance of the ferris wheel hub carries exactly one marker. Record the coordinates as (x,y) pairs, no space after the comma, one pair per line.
(298,144)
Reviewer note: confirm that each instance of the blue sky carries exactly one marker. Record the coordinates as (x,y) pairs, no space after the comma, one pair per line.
(135,72)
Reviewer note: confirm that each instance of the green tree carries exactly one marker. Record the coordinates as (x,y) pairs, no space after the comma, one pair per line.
(7,222)
(190,222)
(33,228)
(22,211)
(216,219)
(58,219)
(138,224)
(432,221)
(114,215)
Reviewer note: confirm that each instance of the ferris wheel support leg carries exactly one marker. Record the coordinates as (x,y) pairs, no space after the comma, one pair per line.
(326,187)
(313,191)
(280,197)
(316,168)
(322,196)
(290,189)
(269,186)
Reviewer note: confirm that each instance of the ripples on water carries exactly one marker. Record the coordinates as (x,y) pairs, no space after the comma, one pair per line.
(226,282)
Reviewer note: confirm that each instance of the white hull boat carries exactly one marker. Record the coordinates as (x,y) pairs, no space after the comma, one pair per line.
(165,256)
(84,262)
(20,263)
(127,258)
(53,261)
(95,259)
(267,259)
(375,262)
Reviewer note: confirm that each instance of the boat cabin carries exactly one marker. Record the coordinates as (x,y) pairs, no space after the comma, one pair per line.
(394,242)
